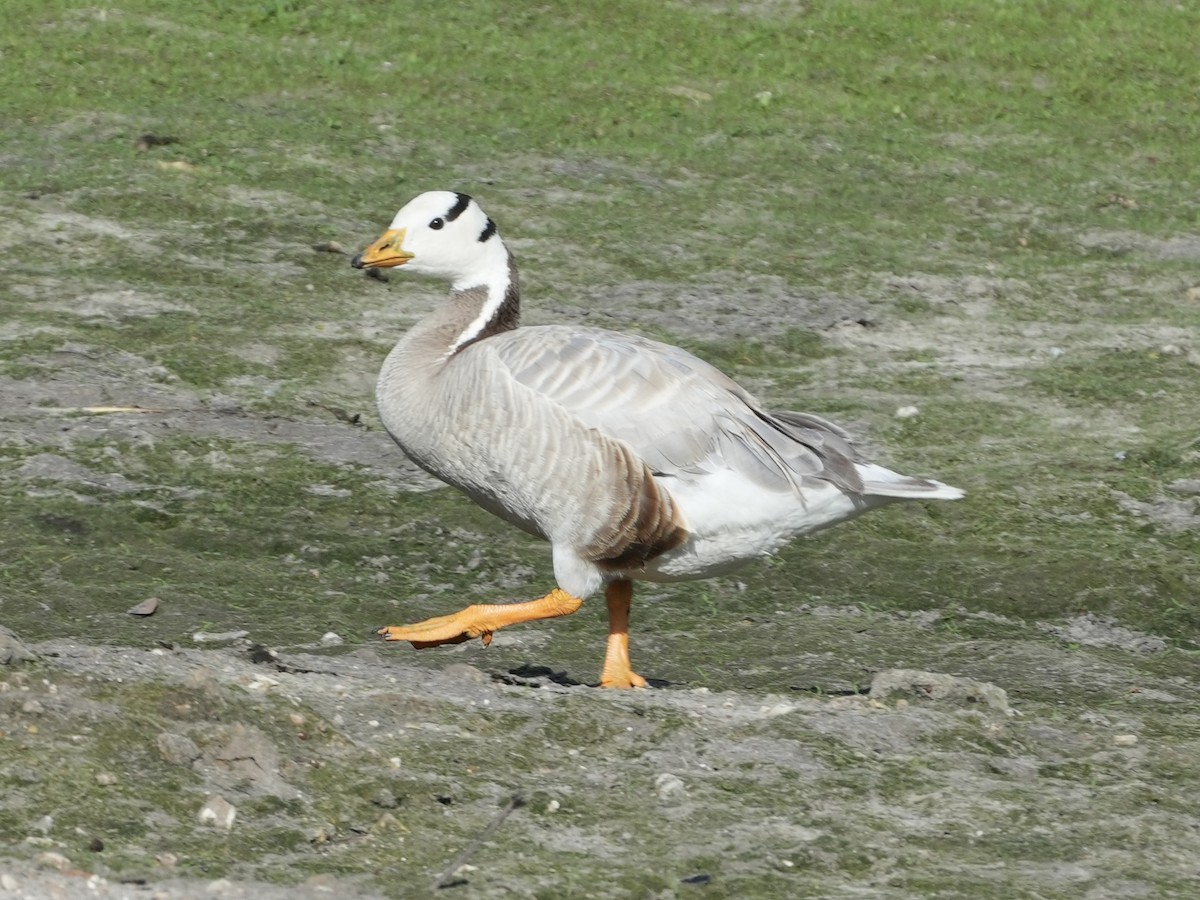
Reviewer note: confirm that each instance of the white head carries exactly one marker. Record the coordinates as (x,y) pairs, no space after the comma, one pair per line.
(441,233)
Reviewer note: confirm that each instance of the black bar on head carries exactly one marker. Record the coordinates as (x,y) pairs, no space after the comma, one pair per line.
(488,230)
(459,205)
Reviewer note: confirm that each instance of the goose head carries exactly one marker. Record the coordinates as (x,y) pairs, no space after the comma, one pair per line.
(444,234)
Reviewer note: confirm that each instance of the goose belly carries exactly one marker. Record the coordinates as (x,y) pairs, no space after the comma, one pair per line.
(732,520)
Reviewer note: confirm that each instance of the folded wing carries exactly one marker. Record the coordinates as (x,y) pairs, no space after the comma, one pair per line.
(682,416)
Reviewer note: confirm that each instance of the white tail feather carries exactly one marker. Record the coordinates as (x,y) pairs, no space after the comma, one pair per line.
(881,482)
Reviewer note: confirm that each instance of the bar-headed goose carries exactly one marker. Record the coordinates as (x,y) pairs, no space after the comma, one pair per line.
(634,459)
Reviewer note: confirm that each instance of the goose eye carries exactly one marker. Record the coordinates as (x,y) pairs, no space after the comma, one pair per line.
(437,224)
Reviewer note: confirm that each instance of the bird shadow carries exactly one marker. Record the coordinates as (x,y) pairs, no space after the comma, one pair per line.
(535,676)
(539,676)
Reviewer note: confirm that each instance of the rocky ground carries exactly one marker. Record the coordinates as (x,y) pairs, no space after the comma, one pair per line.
(381,777)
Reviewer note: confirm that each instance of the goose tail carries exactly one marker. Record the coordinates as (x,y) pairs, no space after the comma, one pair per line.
(878,481)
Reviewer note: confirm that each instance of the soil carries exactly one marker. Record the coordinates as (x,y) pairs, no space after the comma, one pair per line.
(935,752)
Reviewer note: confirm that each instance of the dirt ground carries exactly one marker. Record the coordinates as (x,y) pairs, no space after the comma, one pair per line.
(941,751)
(923,779)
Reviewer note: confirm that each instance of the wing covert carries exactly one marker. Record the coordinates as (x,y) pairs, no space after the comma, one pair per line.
(681,415)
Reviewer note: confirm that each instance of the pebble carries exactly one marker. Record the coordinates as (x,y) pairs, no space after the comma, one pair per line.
(261,684)
(907,412)
(51,860)
(331,639)
(203,637)
(177,749)
(147,607)
(12,651)
(385,799)
(218,811)
(1125,740)
(8,882)
(667,785)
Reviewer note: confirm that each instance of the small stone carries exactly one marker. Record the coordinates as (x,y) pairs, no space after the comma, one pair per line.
(1056,352)
(12,651)
(219,812)
(553,806)
(331,639)
(33,706)
(667,785)
(385,799)
(106,779)
(167,860)
(1185,486)
(1193,293)
(297,719)
(52,860)
(938,686)
(177,749)
(44,824)
(8,882)
(1171,350)
(211,637)
(147,607)
(220,886)
(907,412)
(388,823)
(1125,740)
(261,684)
(96,845)
(465,672)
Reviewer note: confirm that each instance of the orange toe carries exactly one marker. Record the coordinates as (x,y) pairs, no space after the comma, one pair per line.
(453,629)
(622,679)
(480,621)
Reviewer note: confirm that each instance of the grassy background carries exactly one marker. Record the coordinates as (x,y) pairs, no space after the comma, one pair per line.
(838,148)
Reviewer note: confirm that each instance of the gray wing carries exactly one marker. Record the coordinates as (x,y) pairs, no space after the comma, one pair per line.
(681,415)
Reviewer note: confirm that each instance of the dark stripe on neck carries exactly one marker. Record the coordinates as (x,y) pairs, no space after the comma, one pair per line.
(508,313)
(488,230)
(459,206)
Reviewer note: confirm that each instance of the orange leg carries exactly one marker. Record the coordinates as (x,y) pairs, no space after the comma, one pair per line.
(616,672)
(481,620)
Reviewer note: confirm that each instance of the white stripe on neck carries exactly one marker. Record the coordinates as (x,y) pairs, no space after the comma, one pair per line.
(497,291)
